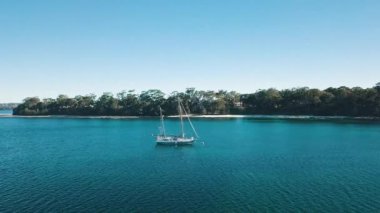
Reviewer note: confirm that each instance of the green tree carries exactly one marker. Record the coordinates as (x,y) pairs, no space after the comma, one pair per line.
(107,105)
(151,100)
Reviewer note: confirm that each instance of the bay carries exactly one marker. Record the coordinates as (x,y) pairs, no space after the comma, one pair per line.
(87,165)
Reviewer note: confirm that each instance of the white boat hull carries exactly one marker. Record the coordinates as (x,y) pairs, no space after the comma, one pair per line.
(174,140)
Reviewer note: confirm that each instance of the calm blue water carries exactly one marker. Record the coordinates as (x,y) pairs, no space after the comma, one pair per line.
(52,164)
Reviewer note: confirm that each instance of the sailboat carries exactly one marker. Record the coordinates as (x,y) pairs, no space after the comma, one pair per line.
(181,139)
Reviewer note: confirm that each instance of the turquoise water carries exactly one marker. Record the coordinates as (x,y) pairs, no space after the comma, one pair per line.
(56,164)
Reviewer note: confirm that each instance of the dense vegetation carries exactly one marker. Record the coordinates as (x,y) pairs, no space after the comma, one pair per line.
(342,101)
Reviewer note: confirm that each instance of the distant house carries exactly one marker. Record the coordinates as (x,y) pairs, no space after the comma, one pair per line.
(238,104)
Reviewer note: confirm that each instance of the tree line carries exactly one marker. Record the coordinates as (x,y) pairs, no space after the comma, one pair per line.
(341,101)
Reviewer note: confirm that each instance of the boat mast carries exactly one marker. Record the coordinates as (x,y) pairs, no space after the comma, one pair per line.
(191,124)
(180,117)
(162,123)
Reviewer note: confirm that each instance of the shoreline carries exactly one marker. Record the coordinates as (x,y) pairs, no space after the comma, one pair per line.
(282,117)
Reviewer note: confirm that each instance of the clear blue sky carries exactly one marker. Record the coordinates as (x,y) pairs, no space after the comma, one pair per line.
(79,47)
